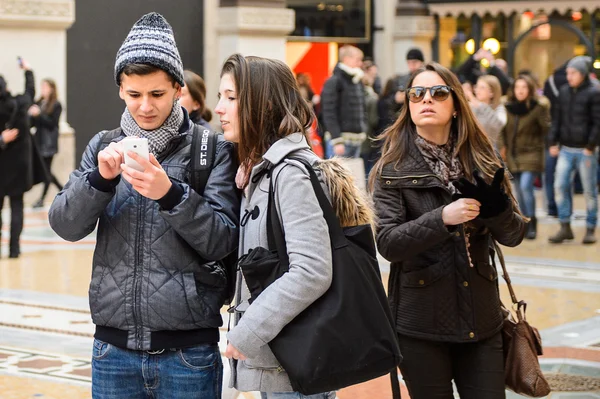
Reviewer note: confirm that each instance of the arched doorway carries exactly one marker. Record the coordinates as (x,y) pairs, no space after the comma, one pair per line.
(564,24)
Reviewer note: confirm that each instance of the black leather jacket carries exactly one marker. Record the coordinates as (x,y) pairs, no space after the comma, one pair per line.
(155,284)
(433,291)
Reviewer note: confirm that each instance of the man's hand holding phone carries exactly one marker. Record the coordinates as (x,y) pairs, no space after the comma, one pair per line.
(153,182)
(110,160)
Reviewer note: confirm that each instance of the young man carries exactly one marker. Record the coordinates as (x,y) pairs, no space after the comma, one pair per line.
(574,138)
(156,290)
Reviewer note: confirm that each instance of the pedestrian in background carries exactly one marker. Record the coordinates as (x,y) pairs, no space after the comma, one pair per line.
(343,105)
(487,107)
(16,166)
(193,99)
(45,116)
(522,143)
(574,138)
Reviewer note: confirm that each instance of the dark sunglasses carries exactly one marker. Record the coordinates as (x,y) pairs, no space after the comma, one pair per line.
(438,93)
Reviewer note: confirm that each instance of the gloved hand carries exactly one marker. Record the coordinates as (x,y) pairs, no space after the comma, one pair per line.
(492,197)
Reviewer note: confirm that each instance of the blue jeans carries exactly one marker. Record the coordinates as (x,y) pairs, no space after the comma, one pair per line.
(569,160)
(195,372)
(524,188)
(296,395)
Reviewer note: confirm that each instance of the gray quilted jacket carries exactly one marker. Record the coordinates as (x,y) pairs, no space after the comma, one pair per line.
(155,283)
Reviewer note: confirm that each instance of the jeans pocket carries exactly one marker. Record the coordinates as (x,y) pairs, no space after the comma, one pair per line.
(100,349)
(200,357)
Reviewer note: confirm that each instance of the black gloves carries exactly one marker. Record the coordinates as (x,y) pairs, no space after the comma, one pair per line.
(492,197)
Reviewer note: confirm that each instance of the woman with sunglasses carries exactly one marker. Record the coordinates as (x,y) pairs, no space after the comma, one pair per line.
(441,195)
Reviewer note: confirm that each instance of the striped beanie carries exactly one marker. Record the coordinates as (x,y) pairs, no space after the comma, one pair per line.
(151,42)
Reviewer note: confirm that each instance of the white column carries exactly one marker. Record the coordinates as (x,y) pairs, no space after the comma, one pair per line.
(249,30)
(37,31)
(383,40)
(447,32)
(411,31)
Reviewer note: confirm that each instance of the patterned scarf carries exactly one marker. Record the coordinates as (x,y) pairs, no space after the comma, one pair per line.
(158,138)
(441,160)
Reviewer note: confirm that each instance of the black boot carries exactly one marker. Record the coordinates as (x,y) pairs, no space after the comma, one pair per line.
(14,249)
(531,229)
(565,233)
(589,236)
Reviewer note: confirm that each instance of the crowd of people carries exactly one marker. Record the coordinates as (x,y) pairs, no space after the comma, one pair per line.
(450,170)
(538,131)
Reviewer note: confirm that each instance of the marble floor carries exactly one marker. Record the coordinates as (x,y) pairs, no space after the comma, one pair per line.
(46,330)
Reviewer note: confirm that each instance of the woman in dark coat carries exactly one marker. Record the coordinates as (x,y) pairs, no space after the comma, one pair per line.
(441,196)
(45,114)
(522,143)
(16,173)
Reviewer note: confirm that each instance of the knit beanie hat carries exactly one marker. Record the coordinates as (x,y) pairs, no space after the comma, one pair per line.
(150,42)
(582,63)
(415,54)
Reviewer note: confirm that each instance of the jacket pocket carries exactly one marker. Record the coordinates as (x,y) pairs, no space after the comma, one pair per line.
(423,277)
(487,271)
(262,363)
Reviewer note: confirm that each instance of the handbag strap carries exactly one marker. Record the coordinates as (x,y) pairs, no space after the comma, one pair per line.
(336,233)
(521,305)
(275,234)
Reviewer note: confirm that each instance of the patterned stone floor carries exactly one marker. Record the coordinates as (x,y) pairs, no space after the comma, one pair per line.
(45,328)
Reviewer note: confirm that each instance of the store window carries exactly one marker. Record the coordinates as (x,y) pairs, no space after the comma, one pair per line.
(343,21)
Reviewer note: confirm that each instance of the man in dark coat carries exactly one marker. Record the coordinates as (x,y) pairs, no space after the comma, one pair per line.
(574,138)
(551,86)
(16,174)
(343,105)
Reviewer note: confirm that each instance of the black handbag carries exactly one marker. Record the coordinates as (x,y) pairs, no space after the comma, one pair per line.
(347,335)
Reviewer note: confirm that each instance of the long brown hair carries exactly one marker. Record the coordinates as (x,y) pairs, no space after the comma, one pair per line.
(270,105)
(50,101)
(473,147)
(197,89)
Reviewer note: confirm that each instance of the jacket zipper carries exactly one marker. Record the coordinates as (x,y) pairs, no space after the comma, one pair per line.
(138,255)
(136,284)
(420,177)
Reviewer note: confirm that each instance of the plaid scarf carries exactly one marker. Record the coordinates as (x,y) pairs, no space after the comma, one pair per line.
(441,160)
(158,139)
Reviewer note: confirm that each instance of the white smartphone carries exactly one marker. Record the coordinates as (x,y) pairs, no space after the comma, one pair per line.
(139,145)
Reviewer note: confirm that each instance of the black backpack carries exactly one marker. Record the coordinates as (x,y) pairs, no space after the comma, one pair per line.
(202,158)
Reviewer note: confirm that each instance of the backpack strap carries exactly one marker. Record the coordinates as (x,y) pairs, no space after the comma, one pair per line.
(203,154)
(106,139)
(553,86)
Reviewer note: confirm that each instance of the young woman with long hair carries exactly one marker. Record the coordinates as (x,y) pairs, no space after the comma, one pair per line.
(45,116)
(262,110)
(522,142)
(441,195)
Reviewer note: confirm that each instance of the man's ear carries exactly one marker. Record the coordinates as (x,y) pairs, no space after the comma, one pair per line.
(121,92)
(178,91)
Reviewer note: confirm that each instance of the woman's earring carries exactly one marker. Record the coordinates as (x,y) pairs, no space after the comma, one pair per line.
(454,115)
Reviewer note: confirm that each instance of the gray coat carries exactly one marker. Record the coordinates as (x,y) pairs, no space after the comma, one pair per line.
(310,274)
(153,273)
